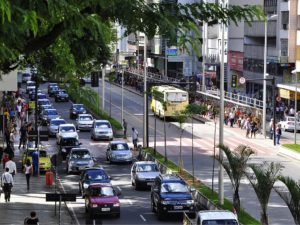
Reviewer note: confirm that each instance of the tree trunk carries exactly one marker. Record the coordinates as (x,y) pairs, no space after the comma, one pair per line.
(236,200)
(264,218)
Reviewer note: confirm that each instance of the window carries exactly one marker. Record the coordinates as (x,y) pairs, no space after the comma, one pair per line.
(284,47)
(285,20)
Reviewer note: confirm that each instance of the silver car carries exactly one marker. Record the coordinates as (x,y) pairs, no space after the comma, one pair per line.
(49,114)
(79,159)
(102,130)
(118,151)
(143,174)
(84,122)
(53,126)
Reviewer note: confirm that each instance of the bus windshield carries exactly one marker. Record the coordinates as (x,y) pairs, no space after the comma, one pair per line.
(176,97)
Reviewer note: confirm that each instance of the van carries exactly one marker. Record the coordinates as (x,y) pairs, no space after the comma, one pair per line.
(216,217)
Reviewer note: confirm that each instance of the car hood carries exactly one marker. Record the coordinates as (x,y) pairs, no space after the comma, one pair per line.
(176,196)
(69,134)
(103,129)
(147,174)
(104,200)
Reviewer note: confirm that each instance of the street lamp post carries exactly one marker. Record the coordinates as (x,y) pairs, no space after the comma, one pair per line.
(122,108)
(204,52)
(265,74)
(103,88)
(166,58)
(145,117)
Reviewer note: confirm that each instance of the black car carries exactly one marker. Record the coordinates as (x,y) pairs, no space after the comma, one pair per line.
(53,91)
(76,109)
(171,194)
(61,96)
(92,176)
(50,86)
(66,144)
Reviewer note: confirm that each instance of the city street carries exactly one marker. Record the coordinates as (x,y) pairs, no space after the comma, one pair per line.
(203,150)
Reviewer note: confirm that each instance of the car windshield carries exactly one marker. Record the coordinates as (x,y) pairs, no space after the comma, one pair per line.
(96,175)
(62,92)
(147,168)
(54,88)
(67,129)
(44,102)
(57,122)
(219,222)
(42,153)
(174,187)
(85,118)
(103,191)
(51,112)
(119,146)
(42,96)
(78,106)
(102,125)
(80,155)
(69,142)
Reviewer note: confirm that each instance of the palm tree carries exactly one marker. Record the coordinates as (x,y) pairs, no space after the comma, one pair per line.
(181,117)
(291,197)
(262,183)
(235,167)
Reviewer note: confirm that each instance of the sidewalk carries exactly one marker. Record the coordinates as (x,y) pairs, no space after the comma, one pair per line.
(22,202)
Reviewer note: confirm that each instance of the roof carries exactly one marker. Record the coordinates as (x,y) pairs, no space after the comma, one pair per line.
(103,121)
(167,88)
(145,162)
(79,149)
(95,168)
(170,177)
(84,114)
(216,214)
(67,125)
(57,119)
(119,142)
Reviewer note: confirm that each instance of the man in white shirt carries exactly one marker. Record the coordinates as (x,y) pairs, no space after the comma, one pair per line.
(135,135)
(7,183)
(11,165)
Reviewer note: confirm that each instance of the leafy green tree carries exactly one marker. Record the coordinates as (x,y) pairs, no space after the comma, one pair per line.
(235,167)
(262,182)
(290,197)
(86,27)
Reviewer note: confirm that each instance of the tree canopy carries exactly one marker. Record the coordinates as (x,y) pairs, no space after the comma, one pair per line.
(72,36)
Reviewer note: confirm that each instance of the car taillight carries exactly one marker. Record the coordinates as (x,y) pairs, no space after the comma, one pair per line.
(94,205)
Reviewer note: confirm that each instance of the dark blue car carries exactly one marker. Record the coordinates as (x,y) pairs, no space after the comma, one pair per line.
(76,109)
(171,194)
(94,175)
(61,96)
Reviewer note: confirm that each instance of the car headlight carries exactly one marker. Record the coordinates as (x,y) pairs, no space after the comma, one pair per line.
(189,201)
(116,205)
(85,185)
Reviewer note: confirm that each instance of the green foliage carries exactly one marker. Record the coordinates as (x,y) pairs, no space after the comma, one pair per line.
(193,109)
(294,147)
(292,197)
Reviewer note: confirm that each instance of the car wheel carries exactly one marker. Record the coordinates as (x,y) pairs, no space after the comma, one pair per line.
(136,186)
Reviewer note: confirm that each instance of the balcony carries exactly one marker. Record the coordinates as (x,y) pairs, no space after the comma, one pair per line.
(257,52)
(258,29)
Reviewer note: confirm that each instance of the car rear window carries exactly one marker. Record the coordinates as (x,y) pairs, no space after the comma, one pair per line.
(174,187)
(67,129)
(96,175)
(103,191)
(119,146)
(80,155)
(57,122)
(102,125)
(85,118)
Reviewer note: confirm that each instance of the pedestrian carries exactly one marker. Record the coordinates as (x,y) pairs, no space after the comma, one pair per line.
(12,139)
(4,160)
(23,136)
(28,171)
(35,162)
(11,165)
(231,118)
(278,133)
(7,183)
(247,127)
(253,125)
(125,128)
(271,128)
(135,136)
(33,219)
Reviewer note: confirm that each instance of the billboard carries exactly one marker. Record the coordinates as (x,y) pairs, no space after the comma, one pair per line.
(9,82)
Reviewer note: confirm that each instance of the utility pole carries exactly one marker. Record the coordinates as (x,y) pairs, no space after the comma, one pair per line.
(103,88)
(166,58)
(145,117)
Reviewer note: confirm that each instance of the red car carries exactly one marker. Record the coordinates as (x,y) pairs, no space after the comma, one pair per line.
(102,199)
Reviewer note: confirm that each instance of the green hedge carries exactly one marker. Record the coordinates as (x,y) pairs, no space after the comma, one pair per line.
(92,102)
(243,216)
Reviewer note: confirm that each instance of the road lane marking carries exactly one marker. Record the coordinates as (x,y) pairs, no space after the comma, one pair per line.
(119,188)
(129,201)
(143,218)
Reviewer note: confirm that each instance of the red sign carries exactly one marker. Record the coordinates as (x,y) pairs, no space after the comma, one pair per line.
(236,60)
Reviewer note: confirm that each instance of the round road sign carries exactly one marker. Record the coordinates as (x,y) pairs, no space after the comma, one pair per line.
(242,80)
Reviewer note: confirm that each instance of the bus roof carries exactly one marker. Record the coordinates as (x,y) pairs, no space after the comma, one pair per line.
(167,88)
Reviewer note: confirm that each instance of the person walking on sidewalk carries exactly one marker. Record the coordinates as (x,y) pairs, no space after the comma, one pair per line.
(33,219)
(247,127)
(35,162)
(125,128)
(278,133)
(12,139)
(11,165)
(135,136)
(7,183)
(28,171)
(23,136)
(231,118)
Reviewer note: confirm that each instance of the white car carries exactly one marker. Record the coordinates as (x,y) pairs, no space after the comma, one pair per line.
(288,123)
(66,130)
(216,217)
(102,129)
(84,122)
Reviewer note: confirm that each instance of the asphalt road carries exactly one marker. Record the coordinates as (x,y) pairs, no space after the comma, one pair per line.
(135,205)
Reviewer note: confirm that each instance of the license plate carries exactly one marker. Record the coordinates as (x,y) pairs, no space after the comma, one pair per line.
(105,209)
(178,207)
(149,183)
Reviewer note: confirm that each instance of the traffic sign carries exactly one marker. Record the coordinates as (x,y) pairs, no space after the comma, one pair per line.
(242,80)
(32,104)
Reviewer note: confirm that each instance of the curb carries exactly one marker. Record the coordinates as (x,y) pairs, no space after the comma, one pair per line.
(283,151)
